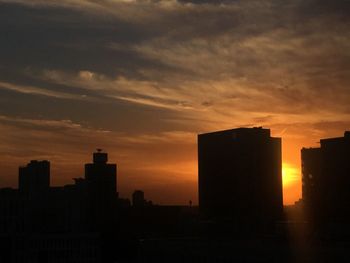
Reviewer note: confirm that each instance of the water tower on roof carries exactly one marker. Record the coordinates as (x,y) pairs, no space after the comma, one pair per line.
(99,156)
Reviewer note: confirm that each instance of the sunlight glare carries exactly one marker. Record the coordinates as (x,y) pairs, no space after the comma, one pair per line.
(290,174)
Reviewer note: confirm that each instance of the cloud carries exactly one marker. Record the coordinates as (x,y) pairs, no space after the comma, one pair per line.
(38,91)
(247,58)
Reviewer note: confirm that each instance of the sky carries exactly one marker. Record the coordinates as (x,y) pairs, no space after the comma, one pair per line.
(141,78)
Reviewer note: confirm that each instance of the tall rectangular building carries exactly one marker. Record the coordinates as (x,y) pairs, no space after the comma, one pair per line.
(311,172)
(240,175)
(326,179)
(34,177)
(101,185)
(101,176)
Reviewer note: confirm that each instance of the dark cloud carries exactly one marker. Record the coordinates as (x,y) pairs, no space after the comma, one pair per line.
(54,37)
(264,46)
(66,38)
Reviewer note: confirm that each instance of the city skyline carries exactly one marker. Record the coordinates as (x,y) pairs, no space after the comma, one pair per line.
(142,78)
(290,178)
(129,194)
(240,205)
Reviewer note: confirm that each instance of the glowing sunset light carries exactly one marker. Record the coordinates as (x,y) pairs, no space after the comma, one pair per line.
(291,182)
(290,175)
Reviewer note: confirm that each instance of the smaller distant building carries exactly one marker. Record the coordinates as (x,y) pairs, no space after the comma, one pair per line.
(138,198)
(34,178)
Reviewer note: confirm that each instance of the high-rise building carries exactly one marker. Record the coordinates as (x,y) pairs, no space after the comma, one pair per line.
(311,172)
(326,179)
(34,177)
(101,186)
(101,177)
(240,175)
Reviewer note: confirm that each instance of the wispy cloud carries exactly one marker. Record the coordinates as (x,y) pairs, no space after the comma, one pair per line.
(38,91)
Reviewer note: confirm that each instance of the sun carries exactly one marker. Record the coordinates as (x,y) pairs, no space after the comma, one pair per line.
(290,174)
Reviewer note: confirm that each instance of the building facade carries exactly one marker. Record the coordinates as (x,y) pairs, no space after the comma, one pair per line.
(326,179)
(101,176)
(34,177)
(101,186)
(240,175)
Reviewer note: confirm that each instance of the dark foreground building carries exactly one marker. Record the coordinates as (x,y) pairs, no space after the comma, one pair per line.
(311,170)
(72,223)
(34,178)
(240,176)
(101,176)
(326,180)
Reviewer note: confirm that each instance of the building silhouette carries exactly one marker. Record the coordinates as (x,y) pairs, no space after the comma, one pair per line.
(138,198)
(311,172)
(326,179)
(71,223)
(34,178)
(240,176)
(240,195)
(101,176)
(101,190)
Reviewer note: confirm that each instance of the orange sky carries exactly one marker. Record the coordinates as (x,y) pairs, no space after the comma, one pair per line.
(164,166)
